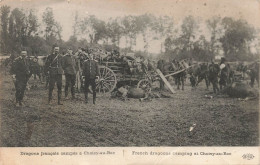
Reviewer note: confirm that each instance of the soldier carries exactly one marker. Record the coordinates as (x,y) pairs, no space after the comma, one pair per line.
(20,73)
(53,65)
(213,75)
(68,64)
(254,74)
(35,68)
(91,73)
(223,73)
(79,60)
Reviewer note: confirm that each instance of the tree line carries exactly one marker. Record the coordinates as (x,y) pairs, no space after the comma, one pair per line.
(234,38)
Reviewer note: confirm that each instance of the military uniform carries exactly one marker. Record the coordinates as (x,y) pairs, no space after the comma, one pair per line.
(254,74)
(20,68)
(69,67)
(54,67)
(90,71)
(213,76)
(223,75)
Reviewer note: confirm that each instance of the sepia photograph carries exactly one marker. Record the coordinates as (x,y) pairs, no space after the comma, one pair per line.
(129,73)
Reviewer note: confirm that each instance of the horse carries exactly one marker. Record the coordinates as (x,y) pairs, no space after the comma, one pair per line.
(198,73)
(174,66)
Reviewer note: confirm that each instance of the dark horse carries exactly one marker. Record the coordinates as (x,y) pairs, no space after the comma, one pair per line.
(170,67)
(198,73)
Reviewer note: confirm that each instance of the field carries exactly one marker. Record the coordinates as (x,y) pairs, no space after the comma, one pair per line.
(220,121)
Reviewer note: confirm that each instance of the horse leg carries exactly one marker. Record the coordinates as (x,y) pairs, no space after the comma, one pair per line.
(40,77)
(199,80)
(207,82)
(214,87)
(178,83)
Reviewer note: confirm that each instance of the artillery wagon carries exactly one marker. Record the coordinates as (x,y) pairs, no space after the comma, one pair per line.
(124,71)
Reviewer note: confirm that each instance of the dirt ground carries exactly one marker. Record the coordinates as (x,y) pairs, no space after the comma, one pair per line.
(220,121)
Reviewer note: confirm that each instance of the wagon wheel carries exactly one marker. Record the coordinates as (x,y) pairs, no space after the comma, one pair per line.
(144,84)
(107,80)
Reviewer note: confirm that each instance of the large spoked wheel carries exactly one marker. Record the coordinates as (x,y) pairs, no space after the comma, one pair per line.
(107,81)
(144,84)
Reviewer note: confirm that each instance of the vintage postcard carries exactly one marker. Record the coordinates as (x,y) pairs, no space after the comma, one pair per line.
(129,82)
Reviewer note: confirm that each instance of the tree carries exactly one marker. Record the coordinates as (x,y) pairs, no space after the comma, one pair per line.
(23,25)
(95,28)
(201,49)
(163,27)
(237,38)
(5,10)
(145,27)
(188,28)
(76,25)
(183,45)
(114,31)
(52,28)
(17,29)
(216,30)
(130,30)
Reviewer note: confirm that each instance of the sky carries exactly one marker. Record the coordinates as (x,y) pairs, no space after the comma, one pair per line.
(65,10)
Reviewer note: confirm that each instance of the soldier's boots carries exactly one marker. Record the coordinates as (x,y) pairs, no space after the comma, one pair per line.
(21,103)
(66,95)
(73,97)
(73,93)
(86,97)
(59,102)
(17,104)
(59,99)
(50,97)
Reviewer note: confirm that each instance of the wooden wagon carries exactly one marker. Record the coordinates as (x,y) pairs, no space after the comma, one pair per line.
(113,72)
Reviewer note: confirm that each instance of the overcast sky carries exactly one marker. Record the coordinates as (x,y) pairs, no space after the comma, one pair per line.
(64,10)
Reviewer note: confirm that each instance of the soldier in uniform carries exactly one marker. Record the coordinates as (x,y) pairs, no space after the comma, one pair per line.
(91,73)
(53,65)
(79,57)
(213,75)
(35,68)
(69,67)
(223,73)
(20,73)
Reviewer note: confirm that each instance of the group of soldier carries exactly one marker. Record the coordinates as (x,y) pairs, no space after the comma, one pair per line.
(221,74)
(56,64)
(82,66)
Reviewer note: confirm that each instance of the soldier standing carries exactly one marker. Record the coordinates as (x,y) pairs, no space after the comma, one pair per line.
(91,73)
(223,73)
(54,67)
(20,73)
(213,75)
(69,65)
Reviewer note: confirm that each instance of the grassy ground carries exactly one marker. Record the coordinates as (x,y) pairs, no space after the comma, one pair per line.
(221,121)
